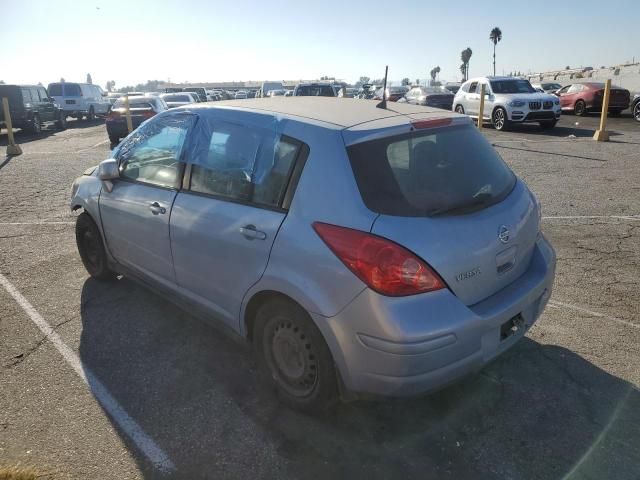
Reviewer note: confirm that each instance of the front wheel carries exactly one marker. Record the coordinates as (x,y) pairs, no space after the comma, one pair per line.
(460,109)
(500,120)
(294,357)
(36,125)
(548,125)
(91,248)
(636,111)
(580,108)
(92,115)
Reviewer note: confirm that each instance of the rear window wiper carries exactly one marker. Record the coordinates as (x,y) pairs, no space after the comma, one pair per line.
(476,203)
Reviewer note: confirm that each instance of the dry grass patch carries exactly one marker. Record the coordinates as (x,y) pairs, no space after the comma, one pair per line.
(16,472)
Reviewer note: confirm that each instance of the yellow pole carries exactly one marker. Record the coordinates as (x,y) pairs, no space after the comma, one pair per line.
(601,134)
(481,112)
(127,113)
(12,148)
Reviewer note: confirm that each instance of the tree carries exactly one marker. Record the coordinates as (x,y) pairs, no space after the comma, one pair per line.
(465,56)
(567,67)
(61,79)
(1,82)
(110,85)
(406,81)
(495,36)
(417,81)
(89,81)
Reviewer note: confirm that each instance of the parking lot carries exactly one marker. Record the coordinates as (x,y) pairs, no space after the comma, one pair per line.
(563,404)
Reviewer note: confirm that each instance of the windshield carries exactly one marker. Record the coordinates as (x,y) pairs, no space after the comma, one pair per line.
(511,86)
(315,91)
(442,171)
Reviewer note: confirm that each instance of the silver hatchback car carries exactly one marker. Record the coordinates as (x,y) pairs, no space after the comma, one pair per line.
(360,249)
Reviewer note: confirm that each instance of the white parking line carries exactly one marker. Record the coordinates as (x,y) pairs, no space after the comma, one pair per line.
(145,443)
(556,304)
(37,223)
(590,217)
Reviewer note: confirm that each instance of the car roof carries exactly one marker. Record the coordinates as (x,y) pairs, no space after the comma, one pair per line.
(337,111)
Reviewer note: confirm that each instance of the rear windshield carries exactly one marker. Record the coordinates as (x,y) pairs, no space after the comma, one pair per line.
(136,102)
(177,98)
(55,89)
(448,170)
(315,91)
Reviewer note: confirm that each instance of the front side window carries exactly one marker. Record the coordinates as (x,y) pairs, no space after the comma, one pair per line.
(34,94)
(43,94)
(152,154)
(472,87)
(245,164)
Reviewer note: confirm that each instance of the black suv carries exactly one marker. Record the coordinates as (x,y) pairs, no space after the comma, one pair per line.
(31,108)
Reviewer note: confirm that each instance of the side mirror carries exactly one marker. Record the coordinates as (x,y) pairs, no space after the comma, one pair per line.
(107,171)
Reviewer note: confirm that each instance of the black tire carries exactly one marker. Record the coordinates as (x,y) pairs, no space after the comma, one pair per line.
(548,124)
(92,115)
(580,108)
(635,111)
(61,123)
(36,125)
(459,109)
(91,248)
(294,357)
(500,119)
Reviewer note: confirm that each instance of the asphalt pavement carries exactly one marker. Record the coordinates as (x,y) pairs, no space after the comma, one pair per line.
(562,404)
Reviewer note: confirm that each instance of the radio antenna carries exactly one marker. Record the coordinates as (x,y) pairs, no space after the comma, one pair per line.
(383,103)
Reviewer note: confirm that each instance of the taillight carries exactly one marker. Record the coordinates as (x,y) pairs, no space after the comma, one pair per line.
(381,264)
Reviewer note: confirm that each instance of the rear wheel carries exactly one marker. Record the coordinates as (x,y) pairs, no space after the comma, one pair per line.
(61,123)
(460,109)
(636,111)
(92,115)
(91,248)
(548,124)
(580,108)
(500,120)
(294,357)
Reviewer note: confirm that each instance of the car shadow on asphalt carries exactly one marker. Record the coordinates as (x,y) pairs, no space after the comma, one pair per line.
(538,412)
(22,136)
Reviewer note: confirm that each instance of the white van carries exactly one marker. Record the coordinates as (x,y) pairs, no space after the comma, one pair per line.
(80,99)
(267,87)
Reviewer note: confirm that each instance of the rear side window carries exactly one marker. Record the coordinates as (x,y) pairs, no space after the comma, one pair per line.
(448,170)
(245,164)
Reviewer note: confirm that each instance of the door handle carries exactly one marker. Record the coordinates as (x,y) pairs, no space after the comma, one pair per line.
(156,208)
(250,233)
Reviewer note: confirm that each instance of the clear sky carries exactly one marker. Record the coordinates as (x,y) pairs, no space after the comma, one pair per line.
(207,40)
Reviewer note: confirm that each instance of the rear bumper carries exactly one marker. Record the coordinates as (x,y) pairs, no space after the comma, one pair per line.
(413,345)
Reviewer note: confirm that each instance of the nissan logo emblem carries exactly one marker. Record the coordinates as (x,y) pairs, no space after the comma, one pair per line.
(504,234)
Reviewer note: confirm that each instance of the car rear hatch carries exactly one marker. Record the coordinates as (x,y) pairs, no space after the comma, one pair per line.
(68,96)
(446,195)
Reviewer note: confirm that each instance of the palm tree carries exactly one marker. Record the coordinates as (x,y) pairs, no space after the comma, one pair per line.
(495,36)
(465,56)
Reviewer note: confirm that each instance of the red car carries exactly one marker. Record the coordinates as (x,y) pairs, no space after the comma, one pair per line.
(582,98)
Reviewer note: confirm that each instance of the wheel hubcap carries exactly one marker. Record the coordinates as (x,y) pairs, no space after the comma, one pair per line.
(636,111)
(499,119)
(91,248)
(292,357)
